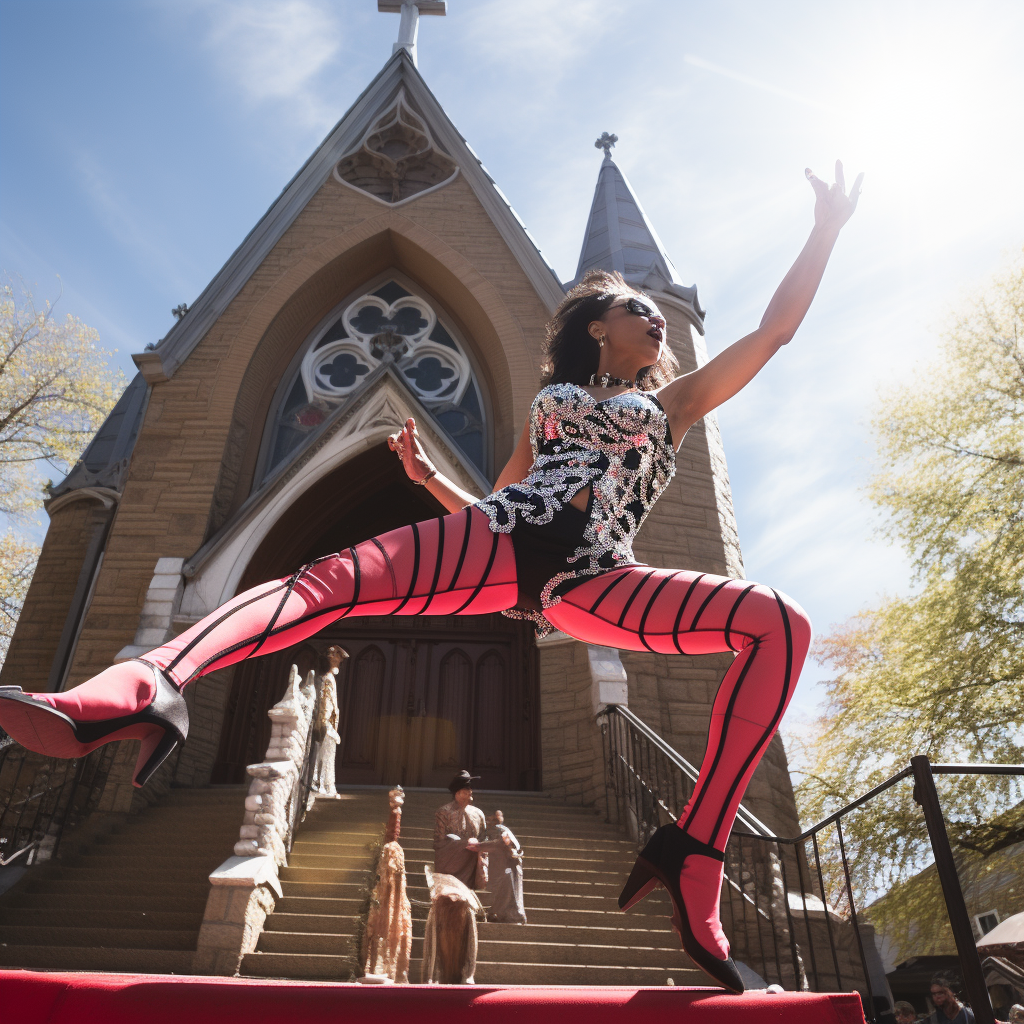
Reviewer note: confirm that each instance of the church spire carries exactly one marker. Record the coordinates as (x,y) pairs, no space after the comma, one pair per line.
(620,237)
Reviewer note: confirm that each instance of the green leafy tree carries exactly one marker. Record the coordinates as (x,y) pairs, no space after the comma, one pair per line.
(56,388)
(939,672)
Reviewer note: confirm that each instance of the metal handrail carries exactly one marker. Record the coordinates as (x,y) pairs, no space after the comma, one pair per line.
(756,826)
(640,785)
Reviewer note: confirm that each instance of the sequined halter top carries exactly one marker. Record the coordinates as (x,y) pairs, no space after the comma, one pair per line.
(621,447)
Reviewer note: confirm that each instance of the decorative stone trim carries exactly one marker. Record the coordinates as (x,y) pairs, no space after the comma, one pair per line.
(608,678)
(397,158)
(162,600)
(244,887)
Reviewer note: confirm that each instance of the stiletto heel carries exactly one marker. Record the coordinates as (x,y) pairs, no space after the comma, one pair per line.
(36,723)
(662,860)
(641,881)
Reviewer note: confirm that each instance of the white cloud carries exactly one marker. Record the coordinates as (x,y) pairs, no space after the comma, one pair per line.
(539,32)
(273,50)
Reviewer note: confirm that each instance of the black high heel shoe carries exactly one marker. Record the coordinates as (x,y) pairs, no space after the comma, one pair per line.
(38,725)
(661,860)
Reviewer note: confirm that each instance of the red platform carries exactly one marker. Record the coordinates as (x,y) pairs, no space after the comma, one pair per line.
(37,997)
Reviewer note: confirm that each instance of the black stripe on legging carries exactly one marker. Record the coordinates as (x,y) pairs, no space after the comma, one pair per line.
(465,546)
(632,597)
(438,559)
(776,718)
(483,578)
(726,720)
(318,614)
(607,590)
(650,604)
(682,608)
(415,567)
(732,614)
(707,601)
(213,625)
(231,611)
(387,561)
(356,582)
(272,621)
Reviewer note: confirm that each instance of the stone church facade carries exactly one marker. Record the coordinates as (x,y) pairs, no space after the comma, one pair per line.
(390,279)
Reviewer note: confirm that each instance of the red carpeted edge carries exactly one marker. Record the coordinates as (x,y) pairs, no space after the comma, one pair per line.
(36,997)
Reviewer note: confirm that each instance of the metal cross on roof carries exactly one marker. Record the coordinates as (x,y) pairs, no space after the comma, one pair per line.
(409,26)
(606,142)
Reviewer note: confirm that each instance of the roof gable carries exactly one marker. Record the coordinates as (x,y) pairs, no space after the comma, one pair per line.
(159,362)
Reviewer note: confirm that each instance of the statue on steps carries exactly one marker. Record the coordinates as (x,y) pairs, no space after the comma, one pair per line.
(450,939)
(326,736)
(506,874)
(459,828)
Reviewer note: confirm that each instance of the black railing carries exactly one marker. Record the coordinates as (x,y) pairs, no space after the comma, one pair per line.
(805,936)
(41,796)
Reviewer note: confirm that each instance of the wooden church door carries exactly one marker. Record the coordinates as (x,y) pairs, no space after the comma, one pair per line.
(419,699)
(418,708)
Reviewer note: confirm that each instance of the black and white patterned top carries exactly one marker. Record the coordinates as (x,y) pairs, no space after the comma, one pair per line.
(620,446)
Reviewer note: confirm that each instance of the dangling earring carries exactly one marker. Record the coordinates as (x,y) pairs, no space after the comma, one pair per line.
(600,341)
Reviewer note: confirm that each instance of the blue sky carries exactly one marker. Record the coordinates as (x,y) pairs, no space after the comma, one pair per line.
(142,141)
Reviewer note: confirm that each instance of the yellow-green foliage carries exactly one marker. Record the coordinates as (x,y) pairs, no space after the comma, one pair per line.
(940,672)
(56,388)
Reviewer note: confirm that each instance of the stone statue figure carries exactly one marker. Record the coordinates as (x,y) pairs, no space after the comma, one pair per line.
(326,726)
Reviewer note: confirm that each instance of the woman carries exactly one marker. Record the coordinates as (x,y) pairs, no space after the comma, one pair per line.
(552,543)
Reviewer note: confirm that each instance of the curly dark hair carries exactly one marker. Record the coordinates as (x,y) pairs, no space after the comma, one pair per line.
(572,354)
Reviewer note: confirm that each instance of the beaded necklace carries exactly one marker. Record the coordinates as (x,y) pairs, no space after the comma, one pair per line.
(606,380)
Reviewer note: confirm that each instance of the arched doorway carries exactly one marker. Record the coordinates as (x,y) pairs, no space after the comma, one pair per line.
(420,697)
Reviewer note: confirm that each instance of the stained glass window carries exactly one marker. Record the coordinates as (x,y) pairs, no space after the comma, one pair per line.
(392,325)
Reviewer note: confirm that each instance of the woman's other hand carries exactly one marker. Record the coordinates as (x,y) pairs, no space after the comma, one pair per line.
(832,206)
(406,442)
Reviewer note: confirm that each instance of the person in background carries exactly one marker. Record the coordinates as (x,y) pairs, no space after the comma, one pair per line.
(1016,1014)
(904,1012)
(458,829)
(947,1006)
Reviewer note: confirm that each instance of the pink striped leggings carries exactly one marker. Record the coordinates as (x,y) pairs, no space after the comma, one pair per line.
(456,565)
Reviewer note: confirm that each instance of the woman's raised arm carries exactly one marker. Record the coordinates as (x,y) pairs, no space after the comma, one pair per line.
(694,395)
(406,442)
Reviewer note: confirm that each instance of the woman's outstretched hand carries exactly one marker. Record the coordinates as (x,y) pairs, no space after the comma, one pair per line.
(406,442)
(832,206)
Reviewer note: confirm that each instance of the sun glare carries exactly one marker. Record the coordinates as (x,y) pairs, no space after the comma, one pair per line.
(930,118)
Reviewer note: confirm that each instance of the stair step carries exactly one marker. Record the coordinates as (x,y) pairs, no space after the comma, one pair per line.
(296,965)
(100,938)
(80,958)
(489,973)
(324,924)
(529,952)
(81,903)
(101,917)
(306,942)
(311,874)
(575,935)
(313,906)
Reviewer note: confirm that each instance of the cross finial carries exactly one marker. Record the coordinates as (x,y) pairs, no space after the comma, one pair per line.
(606,142)
(409,26)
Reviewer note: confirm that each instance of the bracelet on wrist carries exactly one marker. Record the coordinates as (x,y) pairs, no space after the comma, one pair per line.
(429,476)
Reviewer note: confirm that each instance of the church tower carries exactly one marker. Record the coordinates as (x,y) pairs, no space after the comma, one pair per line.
(389,279)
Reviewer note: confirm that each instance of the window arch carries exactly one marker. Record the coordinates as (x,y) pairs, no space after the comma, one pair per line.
(385,324)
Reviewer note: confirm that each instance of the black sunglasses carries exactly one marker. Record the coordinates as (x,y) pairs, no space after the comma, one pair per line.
(638,308)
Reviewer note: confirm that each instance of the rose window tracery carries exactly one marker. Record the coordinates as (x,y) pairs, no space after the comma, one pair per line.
(387,326)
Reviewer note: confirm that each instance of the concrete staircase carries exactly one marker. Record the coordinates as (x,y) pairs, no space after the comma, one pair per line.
(315,929)
(133,899)
(574,866)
